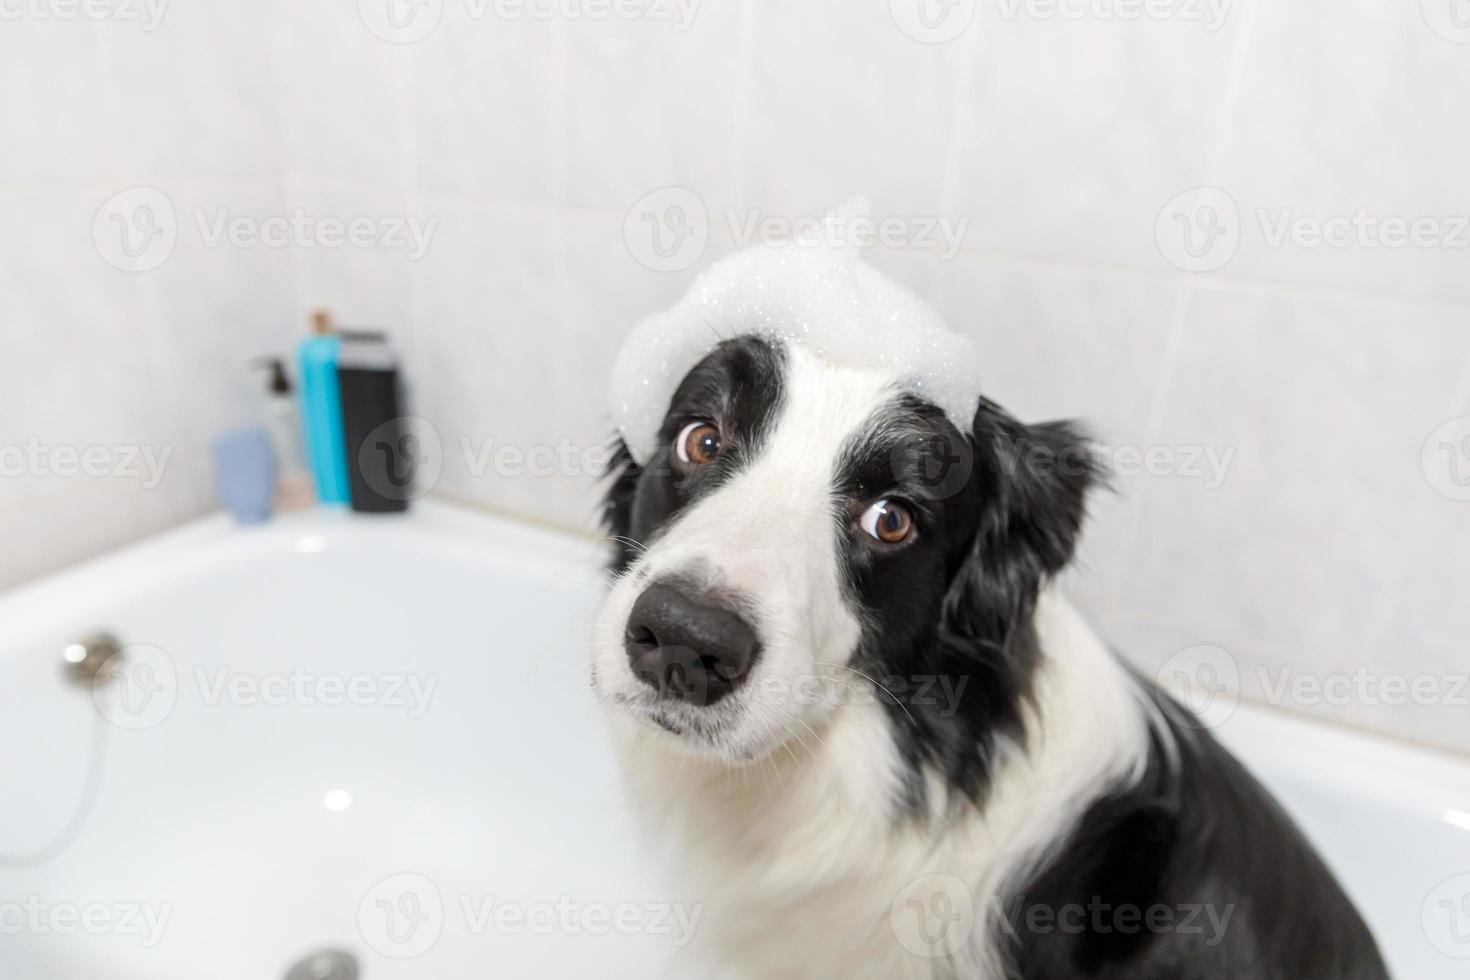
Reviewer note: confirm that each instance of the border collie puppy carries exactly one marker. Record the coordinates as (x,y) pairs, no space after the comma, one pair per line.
(879,744)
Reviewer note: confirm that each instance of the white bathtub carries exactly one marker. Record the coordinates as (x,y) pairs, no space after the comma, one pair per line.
(223,822)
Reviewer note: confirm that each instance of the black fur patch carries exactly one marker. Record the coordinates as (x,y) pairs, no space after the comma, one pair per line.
(948,617)
(1195,872)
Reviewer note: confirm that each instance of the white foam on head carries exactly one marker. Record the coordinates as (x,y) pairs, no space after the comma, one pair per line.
(815,292)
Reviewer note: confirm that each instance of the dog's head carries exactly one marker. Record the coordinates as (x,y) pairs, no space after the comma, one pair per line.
(806,534)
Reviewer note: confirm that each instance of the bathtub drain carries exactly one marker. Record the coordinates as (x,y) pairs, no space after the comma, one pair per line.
(326,964)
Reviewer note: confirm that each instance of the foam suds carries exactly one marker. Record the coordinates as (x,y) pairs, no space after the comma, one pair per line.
(815,292)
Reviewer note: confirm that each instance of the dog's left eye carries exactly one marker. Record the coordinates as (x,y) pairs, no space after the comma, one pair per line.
(888,521)
(698,443)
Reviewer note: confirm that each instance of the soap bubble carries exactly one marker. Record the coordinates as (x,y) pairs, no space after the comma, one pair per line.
(816,293)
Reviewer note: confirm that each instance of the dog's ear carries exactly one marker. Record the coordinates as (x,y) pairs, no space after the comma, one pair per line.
(1031,486)
(622,474)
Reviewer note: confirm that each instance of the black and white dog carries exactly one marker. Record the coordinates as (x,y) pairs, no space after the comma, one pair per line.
(878,741)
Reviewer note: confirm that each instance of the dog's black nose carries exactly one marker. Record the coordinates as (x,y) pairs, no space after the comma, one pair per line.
(688,646)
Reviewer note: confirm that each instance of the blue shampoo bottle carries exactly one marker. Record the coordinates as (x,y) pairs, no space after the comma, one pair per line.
(321,411)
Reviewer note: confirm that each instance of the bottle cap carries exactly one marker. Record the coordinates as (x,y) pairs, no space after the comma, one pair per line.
(278,383)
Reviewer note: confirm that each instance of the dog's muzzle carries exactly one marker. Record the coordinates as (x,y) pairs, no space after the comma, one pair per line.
(688,645)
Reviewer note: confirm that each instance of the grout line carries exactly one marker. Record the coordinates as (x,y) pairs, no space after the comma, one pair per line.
(165,401)
(1230,97)
(1458,403)
(561,116)
(961,122)
(744,72)
(1158,404)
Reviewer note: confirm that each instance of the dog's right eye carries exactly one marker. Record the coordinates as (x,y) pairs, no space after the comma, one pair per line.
(698,443)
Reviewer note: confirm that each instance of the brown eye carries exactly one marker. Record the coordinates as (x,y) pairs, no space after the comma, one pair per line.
(698,443)
(888,521)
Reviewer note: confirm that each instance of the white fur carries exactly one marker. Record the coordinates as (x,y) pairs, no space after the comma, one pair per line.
(785,823)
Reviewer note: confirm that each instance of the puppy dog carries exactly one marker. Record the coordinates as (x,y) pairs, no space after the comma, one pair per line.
(879,744)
